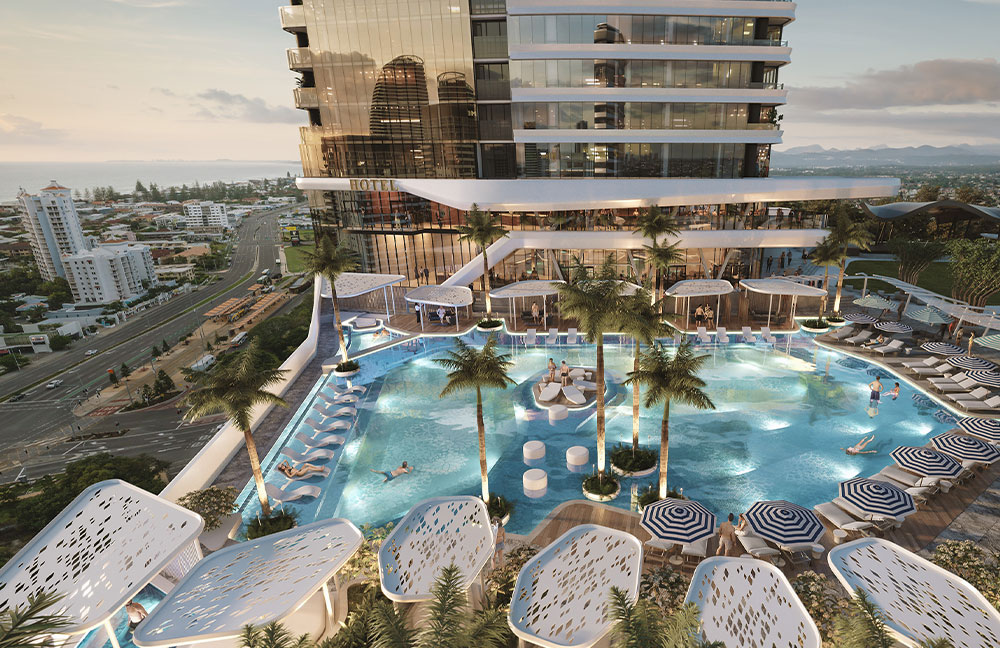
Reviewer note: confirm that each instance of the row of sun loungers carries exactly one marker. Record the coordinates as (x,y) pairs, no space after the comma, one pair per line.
(572,392)
(722,335)
(959,388)
(531,336)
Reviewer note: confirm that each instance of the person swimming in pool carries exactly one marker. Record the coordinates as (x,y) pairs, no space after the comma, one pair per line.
(392,474)
(894,392)
(859,447)
(876,387)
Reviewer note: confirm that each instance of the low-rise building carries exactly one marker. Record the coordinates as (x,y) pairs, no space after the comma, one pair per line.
(110,273)
(180,272)
(205,213)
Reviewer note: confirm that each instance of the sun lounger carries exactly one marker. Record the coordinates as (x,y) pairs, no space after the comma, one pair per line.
(282,495)
(571,336)
(948,380)
(988,404)
(909,480)
(802,552)
(585,385)
(332,413)
(320,440)
(549,392)
(316,425)
(840,519)
(703,335)
(748,335)
(757,546)
(317,454)
(529,337)
(578,372)
(880,522)
(765,334)
(845,332)
(339,399)
(695,551)
(574,395)
(553,336)
(940,369)
(353,389)
(860,337)
(721,335)
(979,393)
(958,387)
(313,473)
(893,347)
(926,362)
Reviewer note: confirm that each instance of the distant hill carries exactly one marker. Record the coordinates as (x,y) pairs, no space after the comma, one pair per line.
(816,157)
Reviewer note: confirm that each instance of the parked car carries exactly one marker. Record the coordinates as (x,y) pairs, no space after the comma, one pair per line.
(53,384)
(91,352)
(16,397)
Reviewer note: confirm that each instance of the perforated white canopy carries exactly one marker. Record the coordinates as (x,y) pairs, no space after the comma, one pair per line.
(451,296)
(253,582)
(355,284)
(919,599)
(700,288)
(561,595)
(774,286)
(435,533)
(748,603)
(529,288)
(99,552)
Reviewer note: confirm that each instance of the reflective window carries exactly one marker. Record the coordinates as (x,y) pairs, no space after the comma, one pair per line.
(631,115)
(639,160)
(639,29)
(565,73)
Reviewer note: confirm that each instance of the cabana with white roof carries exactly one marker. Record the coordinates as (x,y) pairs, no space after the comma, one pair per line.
(447,296)
(774,287)
(749,603)
(436,533)
(561,596)
(281,577)
(357,284)
(100,551)
(685,290)
(522,290)
(918,599)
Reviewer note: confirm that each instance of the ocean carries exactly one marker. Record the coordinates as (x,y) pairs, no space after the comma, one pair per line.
(122,174)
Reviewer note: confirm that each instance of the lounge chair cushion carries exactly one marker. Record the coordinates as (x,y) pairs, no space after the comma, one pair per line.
(574,395)
(549,392)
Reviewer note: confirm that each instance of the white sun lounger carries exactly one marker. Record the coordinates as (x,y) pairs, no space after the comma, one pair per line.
(553,336)
(339,399)
(881,522)
(317,454)
(549,392)
(988,404)
(695,550)
(318,426)
(571,336)
(574,395)
(748,335)
(585,385)
(895,473)
(765,334)
(893,347)
(845,332)
(325,472)
(703,335)
(282,495)
(577,372)
(840,519)
(942,368)
(860,337)
(721,336)
(979,393)
(331,413)
(958,382)
(320,440)
(926,362)
(757,546)
(529,337)
(353,389)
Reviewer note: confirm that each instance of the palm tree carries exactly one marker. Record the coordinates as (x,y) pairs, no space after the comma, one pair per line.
(846,233)
(330,260)
(642,624)
(661,257)
(654,223)
(237,389)
(273,635)
(670,379)
(864,626)
(826,254)
(641,321)
(482,228)
(33,625)
(595,303)
(471,368)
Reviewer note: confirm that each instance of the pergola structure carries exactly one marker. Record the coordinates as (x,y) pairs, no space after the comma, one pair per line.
(749,603)
(561,595)
(525,290)
(254,583)
(685,290)
(99,552)
(447,296)
(436,533)
(356,284)
(781,288)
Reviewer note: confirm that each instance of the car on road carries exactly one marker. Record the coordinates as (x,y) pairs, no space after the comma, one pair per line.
(16,397)
(90,352)
(53,384)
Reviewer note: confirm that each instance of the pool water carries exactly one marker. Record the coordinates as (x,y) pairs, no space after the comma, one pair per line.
(358,341)
(781,420)
(149,597)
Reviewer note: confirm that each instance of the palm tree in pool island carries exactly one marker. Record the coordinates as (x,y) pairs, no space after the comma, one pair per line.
(482,228)
(331,259)
(640,320)
(472,368)
(668,379)
(236,389)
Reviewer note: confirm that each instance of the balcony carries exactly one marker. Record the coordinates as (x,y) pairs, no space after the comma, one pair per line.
(293,19)
(306,98)
(300,58)
(487,90)
(489,47)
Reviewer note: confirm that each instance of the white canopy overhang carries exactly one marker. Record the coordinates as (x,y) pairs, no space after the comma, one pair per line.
(529,288)
(436,533)
(700,288)
(774,286)
(445,296)
(99,552)
(356,284)
(253,582)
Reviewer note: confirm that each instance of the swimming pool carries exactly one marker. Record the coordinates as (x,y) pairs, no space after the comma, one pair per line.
(780,422)
(149,597)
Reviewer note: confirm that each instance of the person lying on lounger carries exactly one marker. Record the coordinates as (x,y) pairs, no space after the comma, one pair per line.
(287,470)
(859,447)
(392,474)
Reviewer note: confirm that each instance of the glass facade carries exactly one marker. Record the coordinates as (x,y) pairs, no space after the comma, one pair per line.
(595,160)
(632,115)
(629,73)
(643,30)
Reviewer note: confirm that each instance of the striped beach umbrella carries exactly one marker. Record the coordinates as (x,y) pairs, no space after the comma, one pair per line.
(894,327)
(983,428)
(989,341)
(784,523)
(873,301)
(942,348)
(877,497)
(929,315)
(860,318)
(926,462)
(988,378)
(677,520)
(970,363)
(966,447)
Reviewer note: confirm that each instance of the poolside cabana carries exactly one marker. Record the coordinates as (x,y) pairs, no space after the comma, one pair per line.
(779,288)
(358,284)
(561,595)
(523,290)
(748,603)
(281,577)
(100,551)
(436,533)
(685,290)
(446,296)
(919,600)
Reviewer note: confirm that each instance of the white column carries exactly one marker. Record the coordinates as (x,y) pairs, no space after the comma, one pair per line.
(545,311)
(385,295)
(770,300)
(864,289)
(329,603)
(111,634)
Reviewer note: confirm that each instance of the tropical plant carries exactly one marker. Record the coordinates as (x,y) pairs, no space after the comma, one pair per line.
(967,560)
(915,256)
(651,493)
(500,581)
(669,379)
(653,223)
(821,599)
(641,624)
(274,523)
(363,564)
(499,506)
(472,368)
(975,270)
(236,390)
(32,625)
(826,254)
(640,320)
(331,259)
(212,504)
(273,635)
(358,629)
(845,233)
(863,626)
(632,459)
(664,588)
(482,228)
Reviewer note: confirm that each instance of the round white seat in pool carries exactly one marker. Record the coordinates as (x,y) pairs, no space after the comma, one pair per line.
(535,479)
(533,450)
(577,456)
(558,412)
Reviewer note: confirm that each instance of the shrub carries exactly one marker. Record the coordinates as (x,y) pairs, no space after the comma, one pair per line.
(976,565)
(623,458)
(815,323)
(212,504)
(664,588)
(500,582)
(364,563)
(835,319)
(822,600)
(594,485)
(59,342)
(651,494)
(350,365)
(499,506)
(277,522)
(490,323)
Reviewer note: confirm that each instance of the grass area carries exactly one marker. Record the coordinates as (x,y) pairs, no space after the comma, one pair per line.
(936,278)
(296,257)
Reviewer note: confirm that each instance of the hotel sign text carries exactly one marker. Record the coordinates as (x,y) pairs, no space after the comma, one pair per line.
(373,184)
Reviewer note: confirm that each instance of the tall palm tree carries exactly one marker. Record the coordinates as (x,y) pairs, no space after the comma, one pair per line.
(472,368)
(640,320)
(864,626)
(827,254)
(482,228)
(273,635)
(330,260)
(33,625)
(641,624)
(236,389)
(661,257)
(846,233)
(670,379)
(653,223)
(595,303)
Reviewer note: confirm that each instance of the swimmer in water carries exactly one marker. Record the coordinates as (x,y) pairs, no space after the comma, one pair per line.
(392,474)
(859,447)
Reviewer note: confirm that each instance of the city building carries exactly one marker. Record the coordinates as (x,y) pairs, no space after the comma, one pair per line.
(110,273)
(566,118)
(53,228)
(203,213)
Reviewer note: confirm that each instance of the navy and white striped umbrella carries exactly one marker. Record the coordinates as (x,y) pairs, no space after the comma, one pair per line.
(877,497)
(988,378)
(894,327)
(970,363)
(677,520)
(983,428)
(926,462)
(784,523)
(873,301)
(928,315)
(989,341)
(860,318)
(966,447)
(942,348)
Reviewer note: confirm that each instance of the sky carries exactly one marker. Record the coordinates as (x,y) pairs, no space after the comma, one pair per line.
(101,80)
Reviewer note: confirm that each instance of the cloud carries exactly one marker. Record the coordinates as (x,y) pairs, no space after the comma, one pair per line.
(927,83)
(220,104)
(15,129)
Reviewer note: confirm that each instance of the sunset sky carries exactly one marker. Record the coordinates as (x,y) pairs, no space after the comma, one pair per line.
(208,79)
